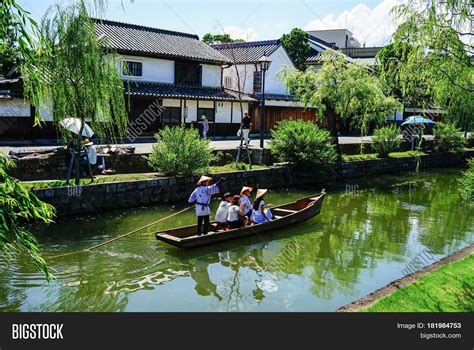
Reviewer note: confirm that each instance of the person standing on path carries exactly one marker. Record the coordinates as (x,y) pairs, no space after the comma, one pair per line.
(246,126)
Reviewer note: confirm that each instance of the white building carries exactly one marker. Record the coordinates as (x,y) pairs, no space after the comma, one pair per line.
(174,70)
(341,38)
(278,104)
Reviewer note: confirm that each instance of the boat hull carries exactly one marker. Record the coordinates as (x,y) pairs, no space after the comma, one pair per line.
(186,238)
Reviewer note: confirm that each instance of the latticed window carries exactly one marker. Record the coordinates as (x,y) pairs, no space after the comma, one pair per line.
(257,82)
(132,69)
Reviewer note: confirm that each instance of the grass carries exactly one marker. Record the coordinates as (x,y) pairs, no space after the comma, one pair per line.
(231,167)
(447,289)
(97,180)
(128,177)
(371,156)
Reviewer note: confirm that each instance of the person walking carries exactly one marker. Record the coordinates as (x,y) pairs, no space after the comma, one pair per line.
(201,196)
(205,126)
(246,126)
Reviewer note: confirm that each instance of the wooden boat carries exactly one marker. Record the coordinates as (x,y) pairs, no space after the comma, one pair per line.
(284,215)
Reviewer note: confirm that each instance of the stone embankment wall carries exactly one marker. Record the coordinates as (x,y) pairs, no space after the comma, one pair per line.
(98,198)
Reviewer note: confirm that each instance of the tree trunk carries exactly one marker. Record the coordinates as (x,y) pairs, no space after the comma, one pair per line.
(332,125)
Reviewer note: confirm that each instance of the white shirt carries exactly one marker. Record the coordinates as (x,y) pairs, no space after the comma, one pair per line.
(233,213)
(245,200)
(222,212)
(202,196)
(92,154)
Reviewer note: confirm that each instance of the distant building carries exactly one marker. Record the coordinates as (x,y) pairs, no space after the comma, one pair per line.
(342,38)
(278,104)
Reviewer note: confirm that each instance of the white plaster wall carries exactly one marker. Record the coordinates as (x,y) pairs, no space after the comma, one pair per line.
(14,108)
(223,111)
(280,59)
(236,117)
(191,106)
(206,104)
(246,77)
(211,75)
(169,102)
(153,69)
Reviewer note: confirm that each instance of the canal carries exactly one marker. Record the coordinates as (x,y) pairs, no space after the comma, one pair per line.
(367,235)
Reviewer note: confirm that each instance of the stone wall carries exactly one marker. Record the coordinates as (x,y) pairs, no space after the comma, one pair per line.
(98,198)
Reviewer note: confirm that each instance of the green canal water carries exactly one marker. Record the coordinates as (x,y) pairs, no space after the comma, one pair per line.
(366,236)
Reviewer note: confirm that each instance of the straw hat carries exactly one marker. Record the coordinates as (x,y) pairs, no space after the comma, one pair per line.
(260,193)
(87,143)
(203,117)
(246,189)
(204,178)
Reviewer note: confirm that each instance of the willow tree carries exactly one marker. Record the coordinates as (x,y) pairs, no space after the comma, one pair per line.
(438,63)
(341,91)
(79,74)
(18,206)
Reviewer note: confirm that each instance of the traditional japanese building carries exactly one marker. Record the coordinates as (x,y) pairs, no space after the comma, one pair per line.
(279,105)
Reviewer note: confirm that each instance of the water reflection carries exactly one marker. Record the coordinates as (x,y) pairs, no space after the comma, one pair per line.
(360,242)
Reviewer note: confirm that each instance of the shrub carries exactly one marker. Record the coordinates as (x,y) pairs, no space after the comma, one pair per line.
(467,182)
(300,142)
(448,138)
(180,151)
(386,140)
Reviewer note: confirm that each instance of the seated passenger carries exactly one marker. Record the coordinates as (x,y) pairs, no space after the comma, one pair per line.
(223,211)
(236,217)
(261,213)
(245,201)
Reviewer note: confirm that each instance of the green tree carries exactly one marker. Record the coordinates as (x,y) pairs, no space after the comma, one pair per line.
(180,151)
(386,140)
(303,143)
(211,39)
(20,45)
(341,90)
(17,207)
(79,74)
(438,62)
(297,45)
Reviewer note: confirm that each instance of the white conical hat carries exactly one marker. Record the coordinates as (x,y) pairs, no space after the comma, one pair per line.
(246,189)
(204,178)
(260,193)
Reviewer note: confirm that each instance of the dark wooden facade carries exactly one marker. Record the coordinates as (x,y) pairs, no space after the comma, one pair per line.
(273,115)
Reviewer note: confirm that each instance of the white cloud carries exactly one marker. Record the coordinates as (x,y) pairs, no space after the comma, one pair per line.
(372,26)
(236,32)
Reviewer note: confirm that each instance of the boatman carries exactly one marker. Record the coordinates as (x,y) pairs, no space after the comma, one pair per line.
(201,196)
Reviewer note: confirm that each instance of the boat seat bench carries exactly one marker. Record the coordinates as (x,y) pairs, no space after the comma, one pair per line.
(284,211)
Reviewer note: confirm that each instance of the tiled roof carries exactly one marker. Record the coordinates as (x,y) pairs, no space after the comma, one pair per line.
(249,52)
(277,97)
(134,39)
(177,91)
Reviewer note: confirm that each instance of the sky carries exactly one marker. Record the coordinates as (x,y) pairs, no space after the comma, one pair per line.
(369,20)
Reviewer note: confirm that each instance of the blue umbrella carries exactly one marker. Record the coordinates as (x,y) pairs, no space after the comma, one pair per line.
(417,120)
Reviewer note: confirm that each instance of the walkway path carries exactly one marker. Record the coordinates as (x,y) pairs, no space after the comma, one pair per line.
(143,148)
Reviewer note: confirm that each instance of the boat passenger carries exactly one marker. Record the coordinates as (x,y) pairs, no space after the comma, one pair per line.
(236,217)
(261,213)
(223,210)
(202,197)
(245,201)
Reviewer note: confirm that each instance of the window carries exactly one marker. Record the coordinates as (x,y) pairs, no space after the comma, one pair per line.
(187,73)
(257,82)
(171,116)
(208,112)
(132,69)
(228,82)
